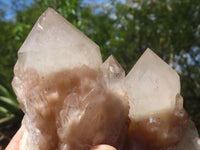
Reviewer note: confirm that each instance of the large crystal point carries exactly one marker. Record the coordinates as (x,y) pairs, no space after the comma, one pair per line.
(55,44)
(152,86)
(59,84)
(158,120)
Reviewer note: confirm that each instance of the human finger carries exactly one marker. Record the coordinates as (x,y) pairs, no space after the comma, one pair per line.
(14,143)
(103,147)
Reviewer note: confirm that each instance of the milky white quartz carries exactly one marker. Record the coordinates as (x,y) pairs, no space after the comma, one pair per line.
(55,44)
(152,86)
(153,89)
(113,75)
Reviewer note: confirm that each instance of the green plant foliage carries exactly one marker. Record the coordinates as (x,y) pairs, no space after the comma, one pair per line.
(9,108)
(10,113)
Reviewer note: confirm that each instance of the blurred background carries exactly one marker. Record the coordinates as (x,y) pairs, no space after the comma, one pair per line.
(123,28)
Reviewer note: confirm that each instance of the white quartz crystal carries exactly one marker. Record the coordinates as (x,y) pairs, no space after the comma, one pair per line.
(55,44)
(113,75)
(152,86)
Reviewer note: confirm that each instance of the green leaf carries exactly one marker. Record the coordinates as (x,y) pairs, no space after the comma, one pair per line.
(7,120)
(4,91)
(3,112)
(9,104)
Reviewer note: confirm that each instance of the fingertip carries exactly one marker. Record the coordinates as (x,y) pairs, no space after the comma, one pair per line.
(14,143)
(103,147)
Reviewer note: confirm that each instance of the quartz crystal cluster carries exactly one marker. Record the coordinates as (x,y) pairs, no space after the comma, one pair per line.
(73,101)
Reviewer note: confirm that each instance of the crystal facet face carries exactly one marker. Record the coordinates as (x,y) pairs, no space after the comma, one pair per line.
(113,75)
(152,86)
(72,100)
(55,44)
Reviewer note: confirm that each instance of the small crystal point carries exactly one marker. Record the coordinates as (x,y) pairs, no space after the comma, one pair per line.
(113,66)
(152,86)
(113,75)
(112,70)
(55,44)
